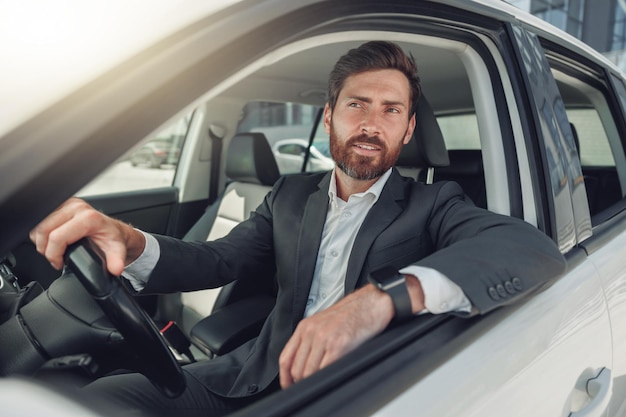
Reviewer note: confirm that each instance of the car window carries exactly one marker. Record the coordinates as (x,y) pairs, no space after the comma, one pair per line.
(288,127)
(593,143)
(460,131)
(151,164)
(598,143)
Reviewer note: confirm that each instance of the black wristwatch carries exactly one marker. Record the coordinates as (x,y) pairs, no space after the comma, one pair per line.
(392,282)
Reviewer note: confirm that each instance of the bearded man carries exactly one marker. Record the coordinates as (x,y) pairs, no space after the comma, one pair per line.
(371,247)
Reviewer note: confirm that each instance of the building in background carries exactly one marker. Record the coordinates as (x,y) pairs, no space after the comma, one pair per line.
(601,24)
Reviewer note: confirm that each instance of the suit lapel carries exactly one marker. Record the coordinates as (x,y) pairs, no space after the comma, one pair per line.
(308,245)
(381,215)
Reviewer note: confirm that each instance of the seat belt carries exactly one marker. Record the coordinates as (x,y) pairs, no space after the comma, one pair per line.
(216,159)
(307,154)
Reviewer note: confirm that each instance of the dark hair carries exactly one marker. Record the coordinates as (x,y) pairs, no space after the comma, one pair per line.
(375,55)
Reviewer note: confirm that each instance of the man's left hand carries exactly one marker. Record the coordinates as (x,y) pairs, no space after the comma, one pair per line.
(328,335)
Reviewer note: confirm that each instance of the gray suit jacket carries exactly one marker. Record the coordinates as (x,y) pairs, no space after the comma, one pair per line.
(495,259)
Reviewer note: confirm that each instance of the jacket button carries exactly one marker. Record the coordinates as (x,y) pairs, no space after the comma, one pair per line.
(517,283)
(509,287)
(252,388)
(501,290)
(493,293)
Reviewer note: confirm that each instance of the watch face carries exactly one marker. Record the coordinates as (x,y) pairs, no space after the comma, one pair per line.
(394,281)
(386,277)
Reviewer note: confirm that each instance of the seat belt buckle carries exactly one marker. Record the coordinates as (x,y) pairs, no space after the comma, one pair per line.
(177,340)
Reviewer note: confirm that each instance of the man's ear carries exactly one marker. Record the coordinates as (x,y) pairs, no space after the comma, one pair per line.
(409,130)
(328,113)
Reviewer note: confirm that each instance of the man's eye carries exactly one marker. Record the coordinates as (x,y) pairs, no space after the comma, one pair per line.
(354,104)
(393,110)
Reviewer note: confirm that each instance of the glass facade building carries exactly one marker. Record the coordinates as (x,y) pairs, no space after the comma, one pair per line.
(618,23)
(599,23)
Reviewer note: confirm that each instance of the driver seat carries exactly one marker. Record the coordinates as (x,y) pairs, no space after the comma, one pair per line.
(252,171)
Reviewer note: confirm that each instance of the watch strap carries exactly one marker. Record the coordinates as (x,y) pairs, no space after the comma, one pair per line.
(392,282)
(401,301)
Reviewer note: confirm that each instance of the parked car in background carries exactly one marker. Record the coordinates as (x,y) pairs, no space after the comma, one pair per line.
(291,153)
(535,126)
(155,153)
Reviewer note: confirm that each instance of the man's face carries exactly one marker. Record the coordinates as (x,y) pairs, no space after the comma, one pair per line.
(370,123)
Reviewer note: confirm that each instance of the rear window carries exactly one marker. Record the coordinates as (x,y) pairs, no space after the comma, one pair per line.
(460,131)
(594,145)
(288,128)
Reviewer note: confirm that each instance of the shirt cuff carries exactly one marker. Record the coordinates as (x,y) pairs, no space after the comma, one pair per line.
(138,272)
(441,295)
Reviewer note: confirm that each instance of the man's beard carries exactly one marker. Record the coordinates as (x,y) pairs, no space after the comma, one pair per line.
(361,167)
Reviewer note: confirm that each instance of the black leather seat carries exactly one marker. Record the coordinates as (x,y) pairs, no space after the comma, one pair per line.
(426,150)
(426,158)
(466,168)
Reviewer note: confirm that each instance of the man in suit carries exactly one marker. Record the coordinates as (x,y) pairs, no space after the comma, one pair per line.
(351,249)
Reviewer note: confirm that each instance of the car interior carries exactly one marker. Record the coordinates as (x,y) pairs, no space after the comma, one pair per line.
(458,137)
(295,73)
(219,320)
(200,314)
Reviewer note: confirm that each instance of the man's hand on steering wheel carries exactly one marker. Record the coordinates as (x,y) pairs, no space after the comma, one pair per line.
(74,220)
(96,248)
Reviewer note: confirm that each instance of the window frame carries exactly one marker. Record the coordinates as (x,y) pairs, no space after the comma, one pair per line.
(610,109)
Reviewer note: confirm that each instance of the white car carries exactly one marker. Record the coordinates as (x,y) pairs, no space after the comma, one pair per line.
(290,155)
(534,122)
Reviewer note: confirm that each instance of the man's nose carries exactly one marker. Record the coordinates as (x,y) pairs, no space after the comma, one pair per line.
(370,124)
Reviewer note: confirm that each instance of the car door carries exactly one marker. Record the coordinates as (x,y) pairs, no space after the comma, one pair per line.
(139,188)
(592,95)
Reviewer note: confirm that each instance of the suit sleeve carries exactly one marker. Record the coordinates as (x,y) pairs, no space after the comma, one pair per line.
(495,259)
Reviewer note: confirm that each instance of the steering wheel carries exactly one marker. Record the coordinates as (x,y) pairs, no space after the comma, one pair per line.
(156,360)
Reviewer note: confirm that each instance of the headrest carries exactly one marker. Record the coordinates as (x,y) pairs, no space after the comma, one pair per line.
(249,158)
(575,137)
(426,148)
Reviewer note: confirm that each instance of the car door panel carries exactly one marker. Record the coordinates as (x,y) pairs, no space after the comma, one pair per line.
(522,363)
(150,210)
(154,210)
(608,259)
(603,181)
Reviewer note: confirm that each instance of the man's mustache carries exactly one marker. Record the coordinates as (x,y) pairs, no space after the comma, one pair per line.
(363,138)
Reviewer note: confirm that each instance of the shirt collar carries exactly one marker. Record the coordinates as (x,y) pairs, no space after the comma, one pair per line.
(374,190)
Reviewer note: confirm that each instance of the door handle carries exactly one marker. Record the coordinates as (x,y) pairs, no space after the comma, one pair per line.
(599,390)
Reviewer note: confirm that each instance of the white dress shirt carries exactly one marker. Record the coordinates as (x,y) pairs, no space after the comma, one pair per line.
(343,220)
